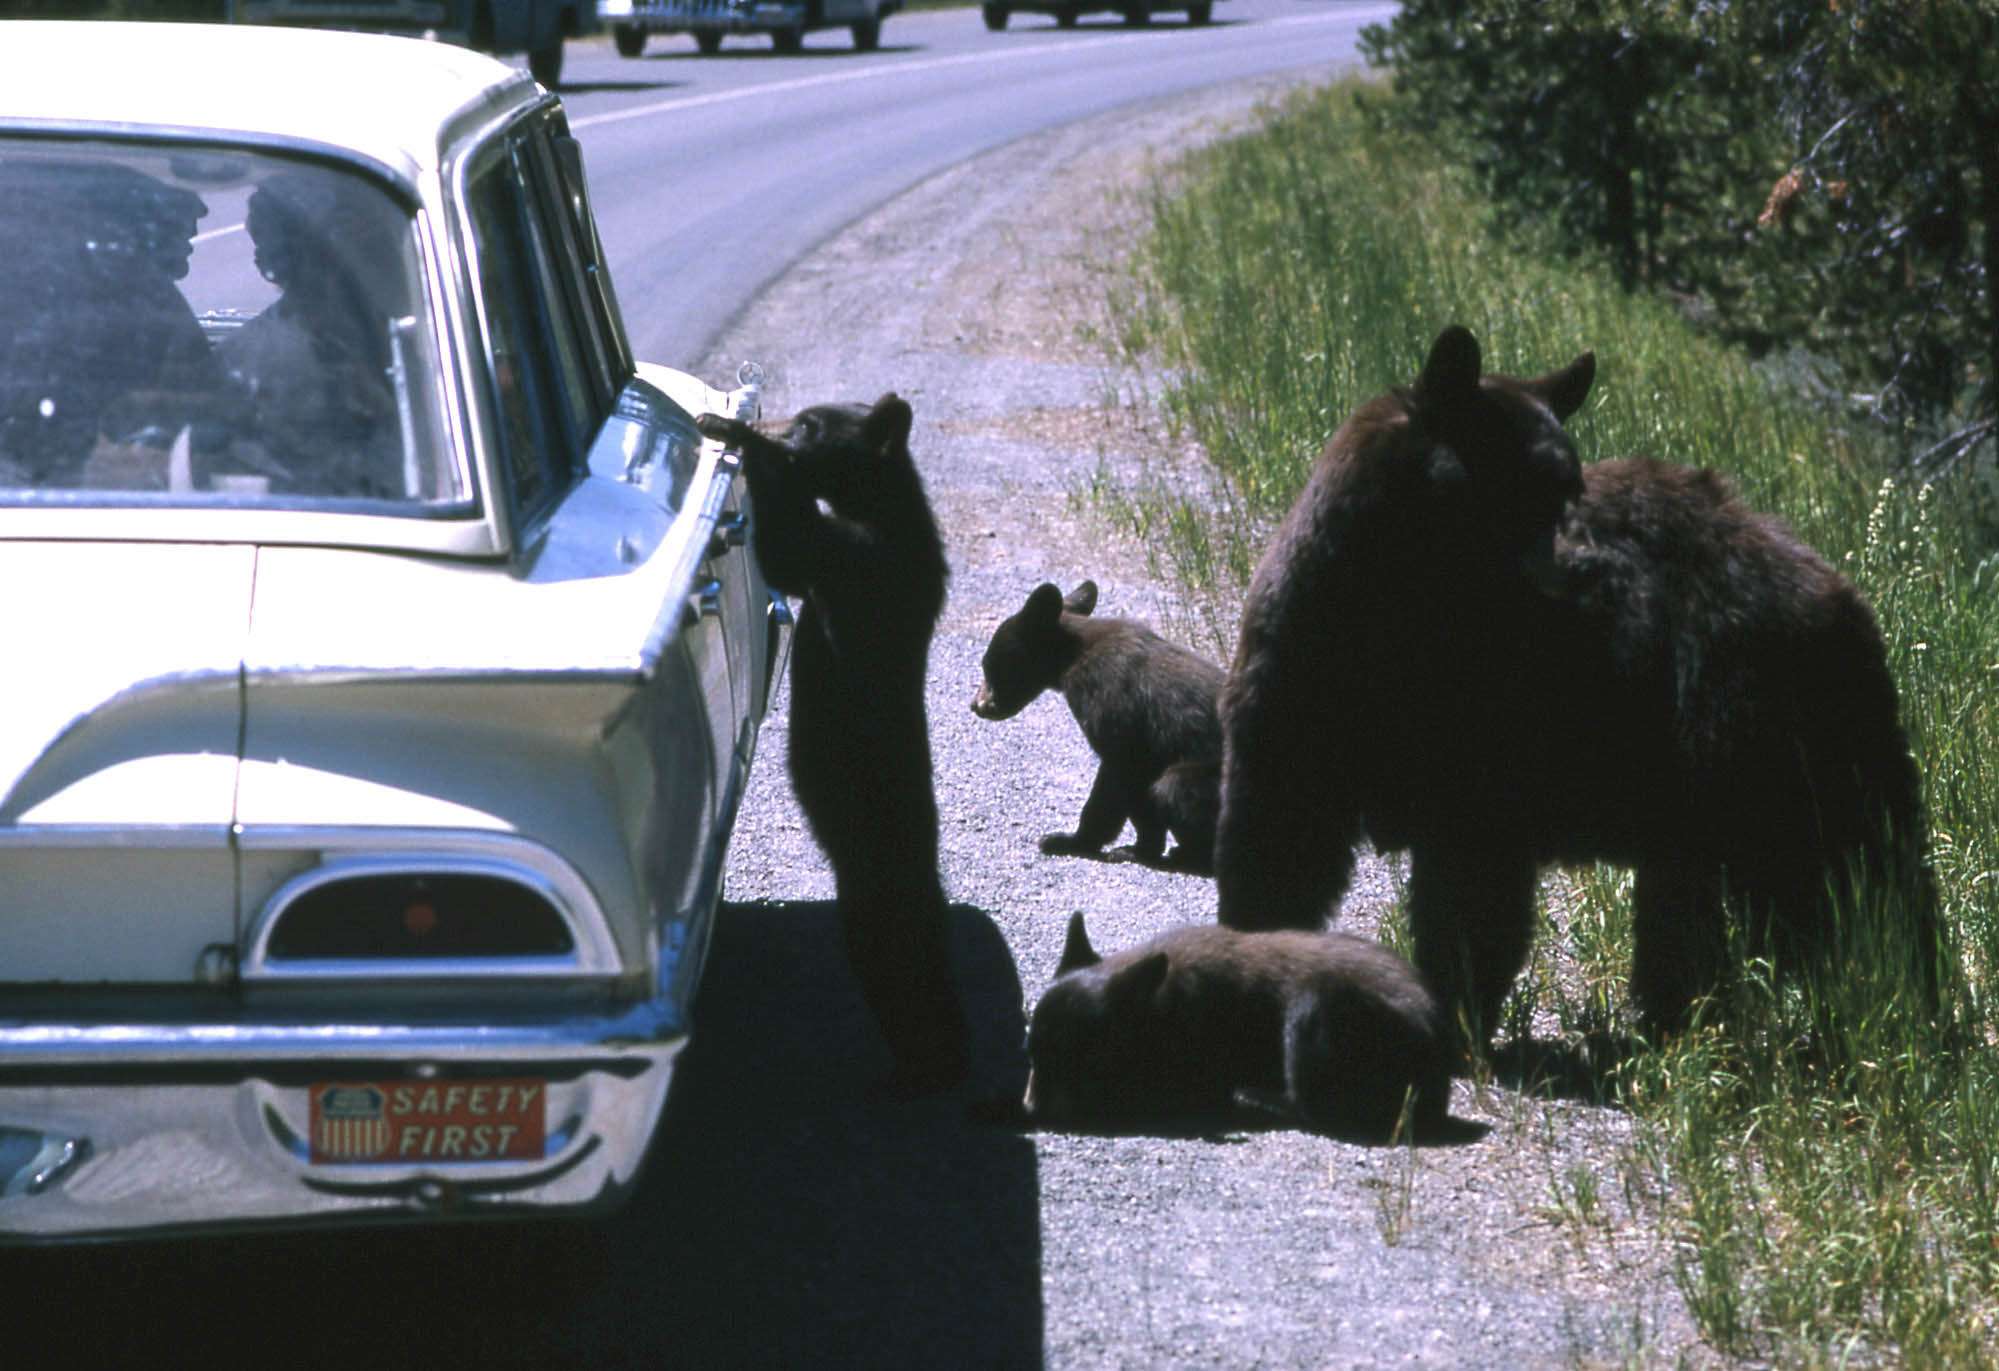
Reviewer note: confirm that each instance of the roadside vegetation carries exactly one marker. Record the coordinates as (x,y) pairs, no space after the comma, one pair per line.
(1827,1170)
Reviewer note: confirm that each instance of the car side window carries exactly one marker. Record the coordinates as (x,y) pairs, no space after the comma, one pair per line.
(543,403)
(585,397)
(571,236)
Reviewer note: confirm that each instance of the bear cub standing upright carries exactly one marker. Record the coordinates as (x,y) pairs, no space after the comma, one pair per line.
(841,521)
(1329,1032)
(1146,705)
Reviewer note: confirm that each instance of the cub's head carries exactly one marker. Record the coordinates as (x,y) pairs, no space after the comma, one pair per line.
(847,455)
(1030,650)
(1092,1043)
(1491,452)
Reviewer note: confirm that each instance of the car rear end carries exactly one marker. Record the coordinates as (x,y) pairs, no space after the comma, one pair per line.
(360,855)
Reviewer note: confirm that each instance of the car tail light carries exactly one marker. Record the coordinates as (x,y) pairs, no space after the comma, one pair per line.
(418,915)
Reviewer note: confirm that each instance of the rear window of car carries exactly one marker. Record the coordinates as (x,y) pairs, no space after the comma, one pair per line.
(207,325)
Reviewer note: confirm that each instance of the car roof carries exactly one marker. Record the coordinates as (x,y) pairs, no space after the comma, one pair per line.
(388,98)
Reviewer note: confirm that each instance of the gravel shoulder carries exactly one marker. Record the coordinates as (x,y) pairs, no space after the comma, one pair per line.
(977,296)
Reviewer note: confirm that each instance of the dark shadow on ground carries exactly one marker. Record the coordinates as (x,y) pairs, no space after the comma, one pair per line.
(1584,1068)
(741,47)
(614,87)
(1236,1127)
(804,1228)
(1107,22)
(780,1221)
(1130,855)
(1229,1126)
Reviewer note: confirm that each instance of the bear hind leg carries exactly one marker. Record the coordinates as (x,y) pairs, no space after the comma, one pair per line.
(1679,939)
(897,948)
(1149,824)
(1103,818)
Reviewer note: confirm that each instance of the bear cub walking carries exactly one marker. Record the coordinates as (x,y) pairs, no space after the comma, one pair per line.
(1333,1033)
(841,521)
(1147,707)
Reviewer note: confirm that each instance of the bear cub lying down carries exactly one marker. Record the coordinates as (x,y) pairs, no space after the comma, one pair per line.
(1204,1026)
(1147,707)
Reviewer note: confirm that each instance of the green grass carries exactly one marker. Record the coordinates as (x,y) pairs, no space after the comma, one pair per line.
(1829,1205)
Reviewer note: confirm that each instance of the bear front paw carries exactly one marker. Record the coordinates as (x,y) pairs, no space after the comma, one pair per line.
(1065,845)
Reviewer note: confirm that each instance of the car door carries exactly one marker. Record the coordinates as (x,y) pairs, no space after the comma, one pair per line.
(564,387)
(726,591)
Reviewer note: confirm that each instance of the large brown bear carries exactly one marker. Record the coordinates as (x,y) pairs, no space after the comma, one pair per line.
(1465,644)
(842,522)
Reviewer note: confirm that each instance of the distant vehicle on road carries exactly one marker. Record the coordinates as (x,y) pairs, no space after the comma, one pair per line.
(1135,12)
(535,27)
(710,21)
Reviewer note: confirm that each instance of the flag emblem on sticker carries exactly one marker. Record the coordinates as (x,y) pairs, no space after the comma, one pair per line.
(349,1123)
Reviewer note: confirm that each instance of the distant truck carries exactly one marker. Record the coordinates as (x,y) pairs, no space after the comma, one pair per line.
(710,21)
(535,27)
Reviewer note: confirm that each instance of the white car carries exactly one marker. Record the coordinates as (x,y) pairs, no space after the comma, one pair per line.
(388,657)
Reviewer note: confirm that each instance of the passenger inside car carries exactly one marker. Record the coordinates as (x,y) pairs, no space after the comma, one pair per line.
(90,313)
(315,366)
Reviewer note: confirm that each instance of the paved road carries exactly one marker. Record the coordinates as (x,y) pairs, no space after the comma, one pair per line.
(713,174)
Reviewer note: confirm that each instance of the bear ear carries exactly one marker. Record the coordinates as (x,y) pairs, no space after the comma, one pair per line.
(1450,376)
(1141,981)
(1082,599)
(887,424)
(1564,391)
(1076,950)
(1044,603)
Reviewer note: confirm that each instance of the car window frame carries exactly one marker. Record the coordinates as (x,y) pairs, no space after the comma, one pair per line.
(582,401)
(564,197)
(562,461)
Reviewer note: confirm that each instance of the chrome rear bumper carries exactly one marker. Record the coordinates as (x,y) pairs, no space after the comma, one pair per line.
(130,1130)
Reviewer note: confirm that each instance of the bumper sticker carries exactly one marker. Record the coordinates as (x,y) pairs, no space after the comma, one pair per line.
(398,1122)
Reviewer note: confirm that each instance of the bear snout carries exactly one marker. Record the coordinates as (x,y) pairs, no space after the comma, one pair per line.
(1047,1106)
(987,705)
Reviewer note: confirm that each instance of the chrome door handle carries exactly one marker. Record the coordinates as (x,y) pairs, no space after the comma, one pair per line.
(731,531)
(705,601)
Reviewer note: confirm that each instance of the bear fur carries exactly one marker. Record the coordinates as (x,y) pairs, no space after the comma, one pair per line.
(1146,705)
(1189,796)
(840,520)
(1465,644)
(1325,1031)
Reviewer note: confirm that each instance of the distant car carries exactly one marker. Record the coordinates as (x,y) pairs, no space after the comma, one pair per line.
(1135,12)
(710,21)
(387,659)
(535,27)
